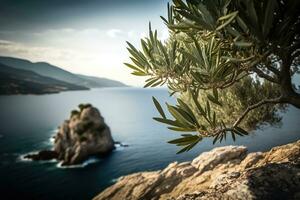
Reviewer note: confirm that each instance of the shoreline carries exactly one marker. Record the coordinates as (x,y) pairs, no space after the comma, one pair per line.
(228,172)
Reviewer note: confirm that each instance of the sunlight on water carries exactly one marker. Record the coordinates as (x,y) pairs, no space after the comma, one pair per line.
(84,164)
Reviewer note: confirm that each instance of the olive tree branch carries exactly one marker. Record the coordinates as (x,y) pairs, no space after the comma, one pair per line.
(264,75)
(265,101)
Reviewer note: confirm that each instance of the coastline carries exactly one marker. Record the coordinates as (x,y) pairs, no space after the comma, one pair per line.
(223,173)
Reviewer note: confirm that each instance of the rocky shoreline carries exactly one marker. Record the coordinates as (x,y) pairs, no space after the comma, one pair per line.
(222,173)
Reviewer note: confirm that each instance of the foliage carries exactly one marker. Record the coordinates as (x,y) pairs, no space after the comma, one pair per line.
(215,52)
(83,138)
(83,106)
(74,112)
(236,99)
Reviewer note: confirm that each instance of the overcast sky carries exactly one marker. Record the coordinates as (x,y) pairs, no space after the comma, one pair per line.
(81,36)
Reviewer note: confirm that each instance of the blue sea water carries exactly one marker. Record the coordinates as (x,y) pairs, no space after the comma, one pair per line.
(29,121)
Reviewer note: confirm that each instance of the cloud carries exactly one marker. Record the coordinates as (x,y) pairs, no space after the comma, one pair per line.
(5,43)
(114,32)
(35,53)
(131,34)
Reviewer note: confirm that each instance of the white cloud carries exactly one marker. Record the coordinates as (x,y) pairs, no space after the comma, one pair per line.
(131,34)
(5,43)
(114,32)
(35,53)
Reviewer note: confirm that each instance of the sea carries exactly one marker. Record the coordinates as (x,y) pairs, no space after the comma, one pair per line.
(28,123)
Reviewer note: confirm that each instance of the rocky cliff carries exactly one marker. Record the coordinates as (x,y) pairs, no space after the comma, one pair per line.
(84,134)
(222,173)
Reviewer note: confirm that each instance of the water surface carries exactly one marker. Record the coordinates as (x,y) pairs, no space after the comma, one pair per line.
(28,121)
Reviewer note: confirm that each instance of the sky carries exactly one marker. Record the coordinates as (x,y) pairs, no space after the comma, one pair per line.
(81,36)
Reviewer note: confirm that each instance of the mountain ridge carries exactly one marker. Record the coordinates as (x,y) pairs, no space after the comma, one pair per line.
(55,72)
(19,81)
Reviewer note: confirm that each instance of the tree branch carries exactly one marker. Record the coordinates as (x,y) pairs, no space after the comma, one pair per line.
(263,75)
(271,68)
(265,101)
(296,54)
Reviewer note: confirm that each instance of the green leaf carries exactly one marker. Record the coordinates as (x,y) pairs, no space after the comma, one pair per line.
(221,138)
(208,109)
(190,146)
(145,48)
(269,14)
(232,31)
(150,82)
(183,150)
(243,44)
(215,93)
(233,135)
(216,139)
(168,121)
(139,73)
(159,108)
(200,109)
(214,100)
(238,133)
(133,67)
(181,116)
(157,83)
(186,135)
(163,49)
(184,139)
(214,119)
(229,18)
(242,24)
(188,110)
(182,129)
(242,131)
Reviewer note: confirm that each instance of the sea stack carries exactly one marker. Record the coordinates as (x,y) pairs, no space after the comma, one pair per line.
(84,134)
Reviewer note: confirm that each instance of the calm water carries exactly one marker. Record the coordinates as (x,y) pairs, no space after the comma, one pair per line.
(27,123)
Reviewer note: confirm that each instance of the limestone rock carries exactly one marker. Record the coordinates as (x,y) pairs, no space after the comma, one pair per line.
(222,173)
(84,134)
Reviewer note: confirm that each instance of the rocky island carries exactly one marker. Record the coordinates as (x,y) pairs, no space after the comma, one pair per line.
(83,135)
(222,173)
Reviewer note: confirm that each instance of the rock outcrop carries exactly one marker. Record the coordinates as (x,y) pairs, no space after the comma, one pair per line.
(42,155)
(222,173)
(84,134)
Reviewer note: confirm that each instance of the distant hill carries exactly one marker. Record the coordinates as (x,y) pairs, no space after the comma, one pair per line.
(18,81)
(46,69)
(96,82)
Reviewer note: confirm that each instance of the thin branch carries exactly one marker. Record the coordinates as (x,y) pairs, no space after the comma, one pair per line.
(269,61)
(265,101)
(294,47)
(272,69)
(296,54)
(219,131)
(225,85)
(264,75)
(238,121)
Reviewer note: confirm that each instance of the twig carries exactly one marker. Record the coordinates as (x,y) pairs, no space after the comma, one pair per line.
(265,101)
